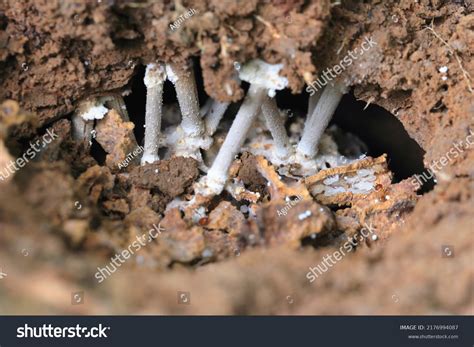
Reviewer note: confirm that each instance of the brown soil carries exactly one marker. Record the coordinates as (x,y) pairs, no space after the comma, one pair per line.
(67,212)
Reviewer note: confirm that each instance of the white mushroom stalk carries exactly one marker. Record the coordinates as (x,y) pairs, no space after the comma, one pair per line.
(186,92)
(264,80)
(155,77)
(318,121)
(83,118)
(217,175)
(190,136)
(276,124)
(312,102)
(214,115)
(117,103)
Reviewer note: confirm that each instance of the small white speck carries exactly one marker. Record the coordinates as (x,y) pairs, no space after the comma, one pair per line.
(304,215)
(313,236)
(444,78)
(387,197)
(228,89)
(443,69)
(156,171)
(374,237)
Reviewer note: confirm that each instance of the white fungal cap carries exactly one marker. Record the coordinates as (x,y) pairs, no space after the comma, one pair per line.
(155,74)
(263,75)
(90,110)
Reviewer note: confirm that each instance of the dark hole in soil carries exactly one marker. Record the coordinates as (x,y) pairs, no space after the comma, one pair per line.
(383,133)
(380,130)
(98,152)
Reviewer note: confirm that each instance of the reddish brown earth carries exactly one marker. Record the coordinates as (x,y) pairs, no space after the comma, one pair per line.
(65,214)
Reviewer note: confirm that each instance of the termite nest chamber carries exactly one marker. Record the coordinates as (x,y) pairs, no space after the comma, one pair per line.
(300,135)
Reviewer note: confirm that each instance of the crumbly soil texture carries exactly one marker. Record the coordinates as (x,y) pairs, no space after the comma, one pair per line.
(72,207)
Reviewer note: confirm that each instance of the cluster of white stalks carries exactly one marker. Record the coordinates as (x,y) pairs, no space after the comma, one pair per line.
(197,127)
(264,80)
